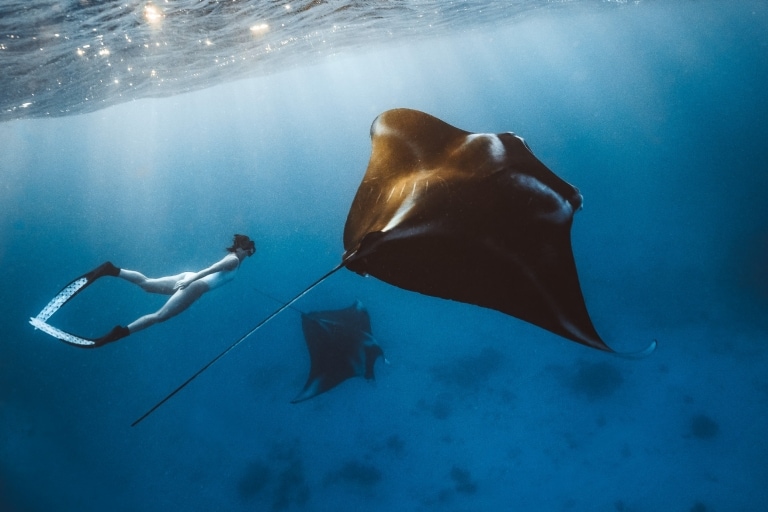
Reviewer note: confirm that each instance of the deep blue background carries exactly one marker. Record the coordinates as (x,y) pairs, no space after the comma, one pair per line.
(655,112)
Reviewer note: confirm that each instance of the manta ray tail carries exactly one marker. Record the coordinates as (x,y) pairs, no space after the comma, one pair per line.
(240,340)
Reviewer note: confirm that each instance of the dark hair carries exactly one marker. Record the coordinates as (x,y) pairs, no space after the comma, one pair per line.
(242,242)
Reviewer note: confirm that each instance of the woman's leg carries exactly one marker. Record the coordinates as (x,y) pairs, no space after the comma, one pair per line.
(178,302)
(161,285)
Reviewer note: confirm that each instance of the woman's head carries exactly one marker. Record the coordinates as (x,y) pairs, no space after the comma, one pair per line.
(244,243)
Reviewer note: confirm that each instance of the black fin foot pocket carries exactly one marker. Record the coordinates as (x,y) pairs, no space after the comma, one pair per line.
(105,269)
(117,333)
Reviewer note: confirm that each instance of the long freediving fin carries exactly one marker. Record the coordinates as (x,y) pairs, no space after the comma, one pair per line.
(64,296)
(75,287)
(61,335)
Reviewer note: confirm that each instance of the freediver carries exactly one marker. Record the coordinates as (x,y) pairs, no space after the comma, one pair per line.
(184,289)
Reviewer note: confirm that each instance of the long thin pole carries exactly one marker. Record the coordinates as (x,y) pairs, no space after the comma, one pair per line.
(236,343)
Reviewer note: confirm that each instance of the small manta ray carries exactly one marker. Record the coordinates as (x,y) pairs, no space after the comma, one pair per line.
(340,345)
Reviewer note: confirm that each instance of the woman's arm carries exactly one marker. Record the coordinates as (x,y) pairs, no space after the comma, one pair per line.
(228,262)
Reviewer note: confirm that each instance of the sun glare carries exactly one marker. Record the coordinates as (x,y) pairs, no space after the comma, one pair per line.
(153,14)
(260,29)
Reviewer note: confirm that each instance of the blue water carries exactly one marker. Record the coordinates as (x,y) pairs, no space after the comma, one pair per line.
(654,110)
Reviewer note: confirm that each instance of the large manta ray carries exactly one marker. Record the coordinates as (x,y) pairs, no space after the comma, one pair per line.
(471,217)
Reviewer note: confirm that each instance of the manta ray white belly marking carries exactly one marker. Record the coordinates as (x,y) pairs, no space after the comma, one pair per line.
(492,142)
(401,212)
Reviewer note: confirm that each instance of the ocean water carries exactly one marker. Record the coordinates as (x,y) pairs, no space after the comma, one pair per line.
(654,110)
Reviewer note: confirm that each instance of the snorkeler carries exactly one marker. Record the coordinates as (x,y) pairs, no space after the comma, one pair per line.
(184,289)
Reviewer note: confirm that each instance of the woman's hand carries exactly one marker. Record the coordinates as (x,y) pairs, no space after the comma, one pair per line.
(183,283)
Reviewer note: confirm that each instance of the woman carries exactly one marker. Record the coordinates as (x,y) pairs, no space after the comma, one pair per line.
(184,288)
